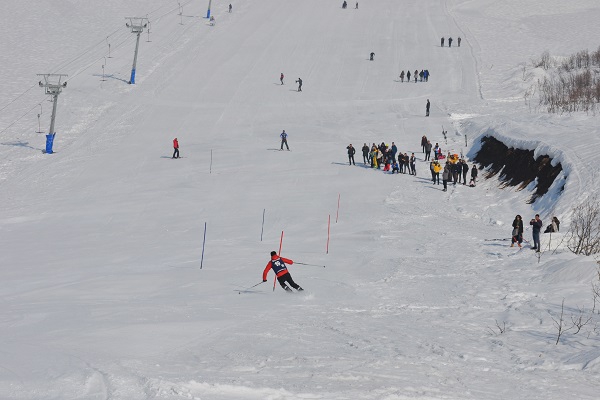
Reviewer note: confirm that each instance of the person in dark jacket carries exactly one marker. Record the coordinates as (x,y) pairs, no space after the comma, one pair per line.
(413,165)
(416,75)
(442,42)
(281,78)
(456,169)
(372,56)
(278,265)
(465,171)
(402,76)
(283,137)
(536,224)
(450,42)
(554,226)
(446,175)
(428,151)
(473,175)
(459,39)
(517,232)
(365,151)
(427,108)
(423,142)
(407,76)
(299,82)
(351,152)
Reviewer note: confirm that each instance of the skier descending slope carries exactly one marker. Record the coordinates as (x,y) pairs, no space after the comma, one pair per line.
(283,276)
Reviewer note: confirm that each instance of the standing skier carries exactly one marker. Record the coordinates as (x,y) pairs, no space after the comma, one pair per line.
(427,108)
(283,276)
(408,76)
(449,42)
(175,148)
(283,137)
(459,39)
(372,55)
(230,7)
(281,78)
(416,75)
(442,42)
(299,82)
(402,76)
(351,152)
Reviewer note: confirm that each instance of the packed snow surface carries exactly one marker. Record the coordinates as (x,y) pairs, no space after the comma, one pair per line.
(112,288)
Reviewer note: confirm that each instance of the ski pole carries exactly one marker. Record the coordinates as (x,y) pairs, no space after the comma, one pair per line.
(256,284)
(312,265)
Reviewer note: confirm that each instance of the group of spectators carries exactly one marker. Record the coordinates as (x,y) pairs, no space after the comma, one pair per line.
(536,225)
(383,155)
(388,158)
(455,170)
(421,76)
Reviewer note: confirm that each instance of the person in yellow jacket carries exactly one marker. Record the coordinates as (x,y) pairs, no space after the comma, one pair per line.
(435,171)
(374,154)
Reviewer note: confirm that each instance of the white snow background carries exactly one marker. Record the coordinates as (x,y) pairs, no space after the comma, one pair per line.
(102,296)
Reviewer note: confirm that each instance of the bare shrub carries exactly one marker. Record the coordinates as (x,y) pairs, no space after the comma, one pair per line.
(544,62)
(584,232)
(559,322)
(573,86)
(580,320)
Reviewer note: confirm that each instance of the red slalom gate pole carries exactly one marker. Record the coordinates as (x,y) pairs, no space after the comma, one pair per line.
(338,209)
(328,228)
(279,254)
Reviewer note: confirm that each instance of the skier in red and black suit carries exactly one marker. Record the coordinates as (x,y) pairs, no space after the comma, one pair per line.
(278,265)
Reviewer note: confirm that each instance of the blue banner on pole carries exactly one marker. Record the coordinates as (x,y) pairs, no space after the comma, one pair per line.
(132,80)
(49,143)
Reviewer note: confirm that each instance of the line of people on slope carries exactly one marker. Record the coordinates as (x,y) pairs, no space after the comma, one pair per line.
(421,76)
(345,5)
(449,41)
(536,224)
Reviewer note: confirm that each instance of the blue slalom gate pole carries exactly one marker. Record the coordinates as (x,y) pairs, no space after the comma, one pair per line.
(132,79)
(49,142)
(208,12)
(203,243)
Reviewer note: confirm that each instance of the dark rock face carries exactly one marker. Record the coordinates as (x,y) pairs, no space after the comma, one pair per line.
(516,167)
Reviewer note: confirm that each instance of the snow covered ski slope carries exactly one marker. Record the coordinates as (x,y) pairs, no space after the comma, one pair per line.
(422,298)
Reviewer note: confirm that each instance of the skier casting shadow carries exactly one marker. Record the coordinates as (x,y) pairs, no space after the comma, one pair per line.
(277,264)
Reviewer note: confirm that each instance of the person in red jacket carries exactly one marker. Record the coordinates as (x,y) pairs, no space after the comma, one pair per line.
(176,148)
(283,276)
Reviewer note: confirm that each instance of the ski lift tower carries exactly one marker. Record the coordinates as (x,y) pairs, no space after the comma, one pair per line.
(53,85)
(137,25)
